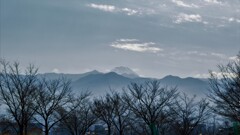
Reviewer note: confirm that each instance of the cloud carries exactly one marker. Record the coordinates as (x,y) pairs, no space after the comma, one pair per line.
(219,55)
(197,53)
(233,58)
(216,74)
(182,4)
(222,74)
(182,17)
(137,47)
(129,11)
(55,70)
(111,8)
(208,54)
(213,2)
(202,75)
(132,45)
(231,19)
(127,40)
(107,8)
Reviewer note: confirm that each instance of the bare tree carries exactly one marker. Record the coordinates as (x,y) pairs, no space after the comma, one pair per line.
(78,119)
(149,101)
(17,92)
(52,95)
(225,90)
(213,123)
(189,114)
(7,126)
(103,109)
(164,122)
(136,126)
(121,113)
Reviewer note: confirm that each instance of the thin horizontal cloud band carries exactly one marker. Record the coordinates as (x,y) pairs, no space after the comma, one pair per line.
(132,45)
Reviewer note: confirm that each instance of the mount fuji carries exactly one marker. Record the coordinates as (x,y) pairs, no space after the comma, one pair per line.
(125,71)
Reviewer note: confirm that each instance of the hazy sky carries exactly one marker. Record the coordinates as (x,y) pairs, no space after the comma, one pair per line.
(153,37)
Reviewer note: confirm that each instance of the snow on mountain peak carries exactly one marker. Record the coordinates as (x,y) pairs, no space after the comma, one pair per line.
(125,71)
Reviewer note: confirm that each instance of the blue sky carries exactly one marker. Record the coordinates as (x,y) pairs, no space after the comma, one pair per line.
(154,38)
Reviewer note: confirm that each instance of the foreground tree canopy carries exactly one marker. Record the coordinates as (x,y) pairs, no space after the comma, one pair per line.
(225,90)
(151,102)
(29,98)
(188,114)
(18,93)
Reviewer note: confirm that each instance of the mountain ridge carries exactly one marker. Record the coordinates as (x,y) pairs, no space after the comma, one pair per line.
(99,83)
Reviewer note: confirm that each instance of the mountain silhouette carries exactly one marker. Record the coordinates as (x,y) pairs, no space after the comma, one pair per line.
(100,83)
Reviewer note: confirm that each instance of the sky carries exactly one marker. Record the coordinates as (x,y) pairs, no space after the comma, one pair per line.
(155,38)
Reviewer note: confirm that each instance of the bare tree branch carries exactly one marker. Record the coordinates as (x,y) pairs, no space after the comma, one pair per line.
(52,95)
(188,114)
(150,102)
(17,92)
(78,120)
(225,90)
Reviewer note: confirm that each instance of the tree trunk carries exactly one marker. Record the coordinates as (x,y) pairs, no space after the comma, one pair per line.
(21,132)
(121,132)
(152,128)
(46,128)
(46,131)
(109,129)
(76,131)
(152,131)
(25,130)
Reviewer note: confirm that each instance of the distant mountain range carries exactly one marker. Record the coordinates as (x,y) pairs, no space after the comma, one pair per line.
(120,77)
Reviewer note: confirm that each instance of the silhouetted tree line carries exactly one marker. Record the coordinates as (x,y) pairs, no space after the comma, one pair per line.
(147,108)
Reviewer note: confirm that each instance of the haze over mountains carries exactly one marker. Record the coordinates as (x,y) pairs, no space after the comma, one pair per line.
(120,77)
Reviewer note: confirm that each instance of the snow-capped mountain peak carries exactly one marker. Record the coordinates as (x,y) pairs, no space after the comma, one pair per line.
(125,71)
